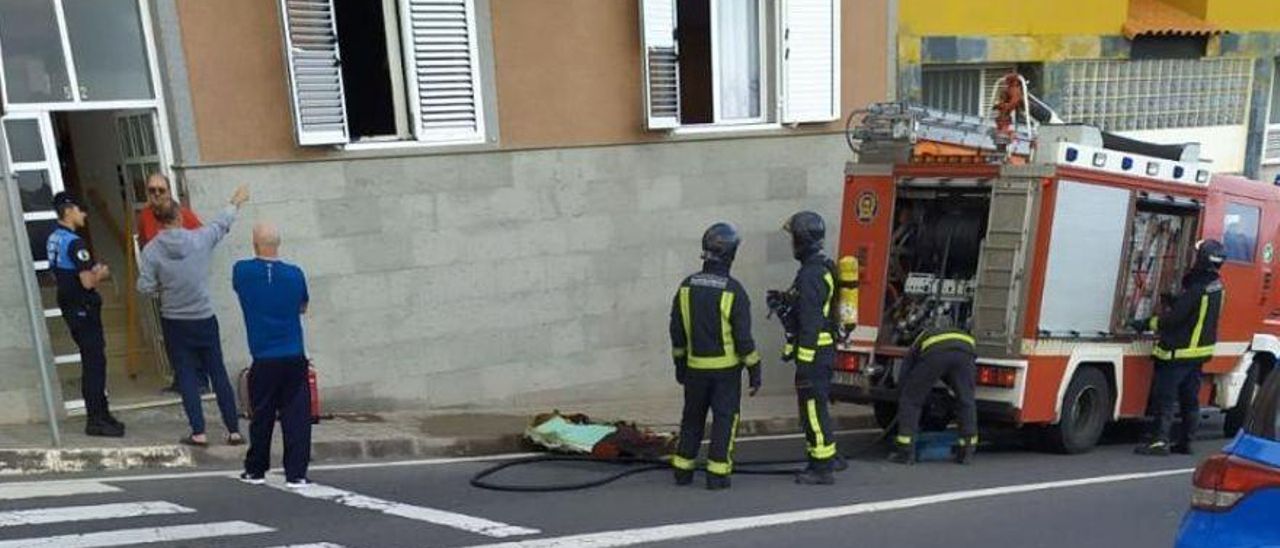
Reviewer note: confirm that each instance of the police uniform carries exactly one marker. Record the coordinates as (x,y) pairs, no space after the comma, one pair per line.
(1186,334)
(937,354)
(82,310)
(812,346)
(711,342)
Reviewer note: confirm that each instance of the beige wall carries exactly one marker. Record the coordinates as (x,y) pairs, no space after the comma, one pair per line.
(567,73)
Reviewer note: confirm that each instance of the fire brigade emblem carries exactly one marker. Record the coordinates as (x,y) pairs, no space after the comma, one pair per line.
(866,206)
(1268,253)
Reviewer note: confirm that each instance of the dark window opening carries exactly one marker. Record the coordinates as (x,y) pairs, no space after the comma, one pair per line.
(1168,47)
(366,68)
(694,36)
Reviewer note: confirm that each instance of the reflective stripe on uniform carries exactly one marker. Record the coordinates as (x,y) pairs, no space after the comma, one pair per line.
(729,358)
(678,352)
(831,293)
(962,337)
(733,437)
(805,355)
(1195,350)
(680,463)
(825,339)
(902,440)
(719,468)
(820,449)
(970,440)
(788,349)
(752,359)
(1199,329)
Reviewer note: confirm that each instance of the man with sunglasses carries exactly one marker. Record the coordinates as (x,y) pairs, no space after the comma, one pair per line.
(159,194)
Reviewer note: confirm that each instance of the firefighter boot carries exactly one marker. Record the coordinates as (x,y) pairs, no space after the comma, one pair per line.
(903,453)
(818,473)
(963,453)
(100,427)
(684,477)
(716,482)
(1182,448)
(1157,448)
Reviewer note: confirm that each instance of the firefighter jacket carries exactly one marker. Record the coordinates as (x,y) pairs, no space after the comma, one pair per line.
(932,341)
(1189,328)
(711,322)
(815,290)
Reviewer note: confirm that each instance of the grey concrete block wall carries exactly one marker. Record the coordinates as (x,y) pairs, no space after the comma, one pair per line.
(20,395)
(518,277)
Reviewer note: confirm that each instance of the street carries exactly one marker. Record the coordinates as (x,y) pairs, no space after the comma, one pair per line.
(1009,497)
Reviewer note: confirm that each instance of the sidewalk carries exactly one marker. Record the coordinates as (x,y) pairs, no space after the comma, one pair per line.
(151,442)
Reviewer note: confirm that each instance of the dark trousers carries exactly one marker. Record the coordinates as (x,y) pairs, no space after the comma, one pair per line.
(721,392)
(958,371)
(85,323)
(1176,387)
(813,393)
(278,388)
(193,345)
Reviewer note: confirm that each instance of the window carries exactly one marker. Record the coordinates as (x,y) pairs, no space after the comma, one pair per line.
(711,62)
(384,71)
(1240,232)
(964,89)
(1271,147)
(1264,415)
(1157,94)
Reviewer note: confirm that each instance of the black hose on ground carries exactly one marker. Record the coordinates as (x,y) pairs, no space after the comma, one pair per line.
(639,466)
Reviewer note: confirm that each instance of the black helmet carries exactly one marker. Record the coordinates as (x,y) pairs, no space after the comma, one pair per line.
(1210,254)
(720,243)
(807,231)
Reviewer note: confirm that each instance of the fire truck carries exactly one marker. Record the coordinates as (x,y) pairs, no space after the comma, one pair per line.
(1046,241)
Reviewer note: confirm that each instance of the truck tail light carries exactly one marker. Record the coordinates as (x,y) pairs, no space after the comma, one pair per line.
(999,377)
(849,361)
(1223,480)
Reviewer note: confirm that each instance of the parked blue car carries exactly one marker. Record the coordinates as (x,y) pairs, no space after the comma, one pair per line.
(1236,500)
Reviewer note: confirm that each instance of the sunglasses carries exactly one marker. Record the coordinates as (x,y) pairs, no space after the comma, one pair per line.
(157,191)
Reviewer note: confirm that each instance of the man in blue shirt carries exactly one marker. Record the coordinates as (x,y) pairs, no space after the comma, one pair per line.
(273,296)
(78,277)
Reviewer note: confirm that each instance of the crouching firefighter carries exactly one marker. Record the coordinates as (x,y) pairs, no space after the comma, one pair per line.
(938,354)
(711,343)
(1186,333)
(810,325)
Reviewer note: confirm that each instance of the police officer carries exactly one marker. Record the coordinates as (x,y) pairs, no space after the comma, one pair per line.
(710,343)
(812,343)
(945,354)
(1186,333)
(78,277)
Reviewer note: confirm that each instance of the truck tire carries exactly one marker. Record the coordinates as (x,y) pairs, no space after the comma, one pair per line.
(1234,420)
(1086,409)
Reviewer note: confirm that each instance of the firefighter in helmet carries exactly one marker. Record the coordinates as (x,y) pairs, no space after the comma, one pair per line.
(940,353)
(711,343)
(811,342)
(1186,333)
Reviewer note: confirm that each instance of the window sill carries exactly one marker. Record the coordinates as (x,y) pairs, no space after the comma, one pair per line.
(726,129)
(408,145)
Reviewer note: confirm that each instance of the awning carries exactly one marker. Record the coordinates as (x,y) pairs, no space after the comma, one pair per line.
(1156,18)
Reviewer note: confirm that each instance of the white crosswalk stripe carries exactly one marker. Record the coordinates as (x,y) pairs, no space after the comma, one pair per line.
(142,535)
(313,545)
(44,516)
(35,490)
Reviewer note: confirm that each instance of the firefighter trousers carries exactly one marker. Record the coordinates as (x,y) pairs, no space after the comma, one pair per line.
(954,368)
(813,393)
(721,393)
(1176,388)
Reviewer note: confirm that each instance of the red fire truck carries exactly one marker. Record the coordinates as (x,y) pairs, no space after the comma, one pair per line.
(1046,243)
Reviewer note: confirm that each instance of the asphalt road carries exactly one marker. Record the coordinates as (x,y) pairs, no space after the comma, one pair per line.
(1009,497)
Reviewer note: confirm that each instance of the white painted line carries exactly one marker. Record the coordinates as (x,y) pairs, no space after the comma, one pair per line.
(42,516)
(666,533)
(430,515)
(143,535)
(313,545)
(35,490)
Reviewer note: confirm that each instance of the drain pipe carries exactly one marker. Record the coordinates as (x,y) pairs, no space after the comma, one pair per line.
(35,307)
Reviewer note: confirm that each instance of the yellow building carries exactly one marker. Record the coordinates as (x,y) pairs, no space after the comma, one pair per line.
(1161,70)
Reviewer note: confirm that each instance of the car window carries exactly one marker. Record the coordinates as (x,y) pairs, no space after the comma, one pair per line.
(1240,232)
(1264,417)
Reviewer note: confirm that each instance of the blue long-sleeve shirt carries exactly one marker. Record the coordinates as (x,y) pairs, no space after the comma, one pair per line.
(273,295)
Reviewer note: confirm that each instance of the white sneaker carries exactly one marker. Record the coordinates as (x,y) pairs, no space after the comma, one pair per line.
(252,479)
(298,483)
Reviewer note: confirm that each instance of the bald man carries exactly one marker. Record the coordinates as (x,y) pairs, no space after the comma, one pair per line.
(273,296)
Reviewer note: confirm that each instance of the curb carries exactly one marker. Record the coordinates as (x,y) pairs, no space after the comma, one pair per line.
(22,462)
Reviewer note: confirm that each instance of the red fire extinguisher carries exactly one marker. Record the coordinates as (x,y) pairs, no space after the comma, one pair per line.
(313,384)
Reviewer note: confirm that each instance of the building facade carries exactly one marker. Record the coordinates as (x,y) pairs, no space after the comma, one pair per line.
(494,199)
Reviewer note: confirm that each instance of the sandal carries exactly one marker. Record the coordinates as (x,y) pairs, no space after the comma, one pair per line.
(191,440)
(235,438)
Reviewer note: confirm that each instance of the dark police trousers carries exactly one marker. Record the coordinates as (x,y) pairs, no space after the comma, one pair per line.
(958,371)
(85,323)
(813,393)
(1176,387)
(278,388)
(721,392)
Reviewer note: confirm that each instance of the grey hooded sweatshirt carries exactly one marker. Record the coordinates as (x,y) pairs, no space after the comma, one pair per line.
(175,268)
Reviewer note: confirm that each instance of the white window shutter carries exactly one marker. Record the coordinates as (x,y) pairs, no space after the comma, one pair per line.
(811,61)
(661,63)
(315,71)
(444,70)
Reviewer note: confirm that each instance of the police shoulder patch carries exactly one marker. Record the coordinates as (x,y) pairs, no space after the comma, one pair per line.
(83,255)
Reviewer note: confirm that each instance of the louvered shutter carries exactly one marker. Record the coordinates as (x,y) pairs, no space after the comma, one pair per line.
(444,71)
(811,60)
(1271,145)
(315,72)
(661,63)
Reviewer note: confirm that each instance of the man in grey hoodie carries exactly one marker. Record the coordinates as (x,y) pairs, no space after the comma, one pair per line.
(175,268)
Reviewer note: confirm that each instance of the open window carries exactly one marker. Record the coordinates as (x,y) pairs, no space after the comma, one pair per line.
(733,62)
(368,71)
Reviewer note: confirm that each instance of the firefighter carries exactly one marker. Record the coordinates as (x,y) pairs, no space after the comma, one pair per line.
(811,342)
(945,354)
(1186,333)
(78,277)
(711,343)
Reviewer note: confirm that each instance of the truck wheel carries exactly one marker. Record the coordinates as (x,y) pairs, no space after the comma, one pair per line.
(1086,409)
(886,412)
(1234,420)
